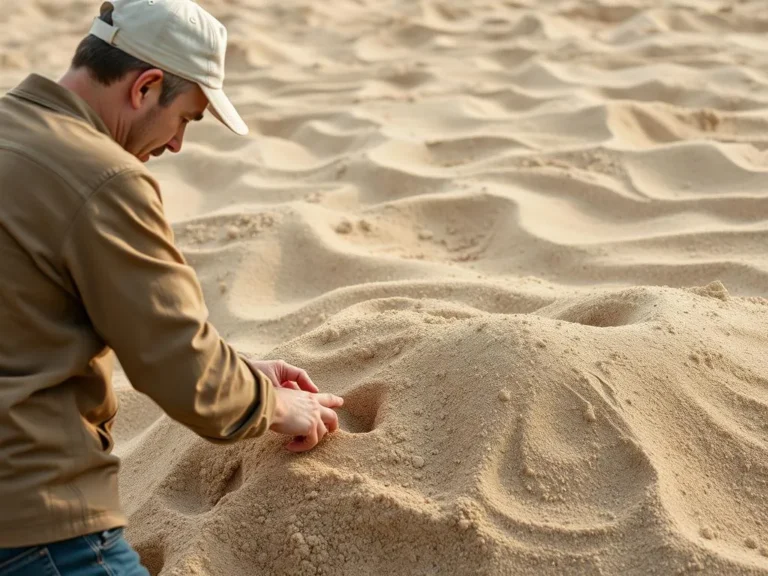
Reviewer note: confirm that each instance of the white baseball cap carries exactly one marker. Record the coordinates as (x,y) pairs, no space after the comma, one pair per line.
(179,37)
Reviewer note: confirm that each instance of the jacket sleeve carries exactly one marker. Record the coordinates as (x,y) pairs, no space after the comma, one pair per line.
(146,303)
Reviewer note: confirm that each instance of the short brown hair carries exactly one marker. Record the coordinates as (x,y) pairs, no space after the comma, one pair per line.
(108,64)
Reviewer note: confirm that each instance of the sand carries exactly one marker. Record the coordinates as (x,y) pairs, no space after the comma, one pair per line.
(527,241)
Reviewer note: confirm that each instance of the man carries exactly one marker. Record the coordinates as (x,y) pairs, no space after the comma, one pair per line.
(89,267)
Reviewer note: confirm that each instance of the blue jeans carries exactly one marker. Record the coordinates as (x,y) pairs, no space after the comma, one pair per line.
(101,554)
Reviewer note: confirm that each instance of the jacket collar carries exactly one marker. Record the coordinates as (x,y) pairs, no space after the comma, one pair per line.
(45,92)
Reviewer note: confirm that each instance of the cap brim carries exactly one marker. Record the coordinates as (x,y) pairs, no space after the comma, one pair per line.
(224,111)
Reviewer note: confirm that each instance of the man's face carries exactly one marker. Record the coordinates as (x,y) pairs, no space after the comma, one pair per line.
(162,128)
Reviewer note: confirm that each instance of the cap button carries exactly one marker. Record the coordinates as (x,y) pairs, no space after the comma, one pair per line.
(193,19)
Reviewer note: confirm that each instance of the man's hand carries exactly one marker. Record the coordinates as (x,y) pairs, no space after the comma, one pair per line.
(306,416)
(299,410)
(283,375)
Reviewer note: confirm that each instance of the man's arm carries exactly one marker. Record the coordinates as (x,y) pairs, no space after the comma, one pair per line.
(147,304)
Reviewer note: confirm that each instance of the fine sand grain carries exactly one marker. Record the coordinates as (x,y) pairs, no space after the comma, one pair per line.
(526,240)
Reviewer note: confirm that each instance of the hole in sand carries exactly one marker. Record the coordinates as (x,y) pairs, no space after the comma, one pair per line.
(606,314)
(234,481)
(360,413)
(230,479)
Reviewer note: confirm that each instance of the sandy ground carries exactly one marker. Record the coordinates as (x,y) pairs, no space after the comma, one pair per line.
(526,241)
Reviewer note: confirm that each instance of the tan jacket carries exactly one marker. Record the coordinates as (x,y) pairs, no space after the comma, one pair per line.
(87,266)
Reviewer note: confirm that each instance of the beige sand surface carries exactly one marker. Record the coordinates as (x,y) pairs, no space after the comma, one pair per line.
(526,240)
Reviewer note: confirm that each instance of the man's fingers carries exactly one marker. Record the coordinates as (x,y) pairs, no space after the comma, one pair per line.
(297,445)
(295,374)
(304,443)
(330,419)
(322,430)
(290,384)
(304,381)
(330,400)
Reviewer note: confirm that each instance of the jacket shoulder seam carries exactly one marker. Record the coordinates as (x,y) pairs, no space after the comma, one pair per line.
(105,176)
(94,192)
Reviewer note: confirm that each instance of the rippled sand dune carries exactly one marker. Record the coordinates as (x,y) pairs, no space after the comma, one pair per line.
(526,240)
(489,430)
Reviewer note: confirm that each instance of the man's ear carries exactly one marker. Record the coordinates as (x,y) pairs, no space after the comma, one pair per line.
(146,88)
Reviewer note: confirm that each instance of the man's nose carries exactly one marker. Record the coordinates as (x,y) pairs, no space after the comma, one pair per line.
(175,144)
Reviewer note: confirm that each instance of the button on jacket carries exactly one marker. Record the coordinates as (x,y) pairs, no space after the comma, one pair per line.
(87,267)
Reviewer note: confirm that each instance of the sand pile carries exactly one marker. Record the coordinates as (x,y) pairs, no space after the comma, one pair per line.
(462,217)
(496,432)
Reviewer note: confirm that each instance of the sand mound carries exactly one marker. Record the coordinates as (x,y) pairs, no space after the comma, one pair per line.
(619,431)
(461,216)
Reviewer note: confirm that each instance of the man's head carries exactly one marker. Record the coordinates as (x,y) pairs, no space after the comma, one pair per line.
(160,63)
